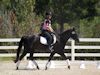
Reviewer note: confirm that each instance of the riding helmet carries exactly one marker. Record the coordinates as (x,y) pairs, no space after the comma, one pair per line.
(48,13)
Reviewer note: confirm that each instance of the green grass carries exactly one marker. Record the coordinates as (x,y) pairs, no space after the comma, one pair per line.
(6,58)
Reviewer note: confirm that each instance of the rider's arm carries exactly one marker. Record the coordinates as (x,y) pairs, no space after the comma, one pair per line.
(50,28)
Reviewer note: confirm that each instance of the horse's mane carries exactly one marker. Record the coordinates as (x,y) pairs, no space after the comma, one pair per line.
(64,32)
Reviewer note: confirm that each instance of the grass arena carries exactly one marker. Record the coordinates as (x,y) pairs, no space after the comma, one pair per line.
(9,68)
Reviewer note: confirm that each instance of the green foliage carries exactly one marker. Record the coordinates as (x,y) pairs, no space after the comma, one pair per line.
(23,17)
(17,18)
(41,6)
(23,9)
(67,11)
(90,28)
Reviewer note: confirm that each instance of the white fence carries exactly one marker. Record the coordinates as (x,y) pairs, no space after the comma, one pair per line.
(73,47)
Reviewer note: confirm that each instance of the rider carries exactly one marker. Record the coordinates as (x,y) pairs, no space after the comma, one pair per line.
(47,30)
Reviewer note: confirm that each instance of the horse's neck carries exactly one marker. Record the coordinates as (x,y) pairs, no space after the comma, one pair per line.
(63,40)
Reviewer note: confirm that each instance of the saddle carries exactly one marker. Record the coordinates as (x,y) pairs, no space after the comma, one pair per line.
(43,39)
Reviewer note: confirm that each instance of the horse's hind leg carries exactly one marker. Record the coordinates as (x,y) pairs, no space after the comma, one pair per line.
(50,57)
(20,58)
(65,58)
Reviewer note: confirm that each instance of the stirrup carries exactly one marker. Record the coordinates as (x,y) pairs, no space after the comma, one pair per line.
(51,49)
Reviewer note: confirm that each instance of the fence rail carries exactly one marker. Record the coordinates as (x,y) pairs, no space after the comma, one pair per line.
(73,47)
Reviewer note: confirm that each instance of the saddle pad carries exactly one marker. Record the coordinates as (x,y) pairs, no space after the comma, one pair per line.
(43,40)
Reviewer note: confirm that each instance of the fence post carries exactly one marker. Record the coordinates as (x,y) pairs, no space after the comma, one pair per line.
(72,50)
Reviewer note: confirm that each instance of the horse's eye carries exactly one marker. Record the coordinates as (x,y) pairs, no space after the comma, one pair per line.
(73,32)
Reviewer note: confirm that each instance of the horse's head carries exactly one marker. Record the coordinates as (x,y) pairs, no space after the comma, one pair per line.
(74,35)
(71,33)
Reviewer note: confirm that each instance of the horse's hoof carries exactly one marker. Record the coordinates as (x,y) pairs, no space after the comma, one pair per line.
(46,68)
(17,68)
(38,68)
(69,67)
(15,61)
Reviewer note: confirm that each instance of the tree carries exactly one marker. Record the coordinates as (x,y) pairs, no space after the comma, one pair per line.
(67,11)
(17,17)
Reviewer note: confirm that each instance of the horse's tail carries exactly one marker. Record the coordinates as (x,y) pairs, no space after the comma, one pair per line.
(19,49)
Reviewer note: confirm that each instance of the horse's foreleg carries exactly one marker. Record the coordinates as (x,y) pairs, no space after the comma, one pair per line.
(50,57)
(65,58)
(36,64)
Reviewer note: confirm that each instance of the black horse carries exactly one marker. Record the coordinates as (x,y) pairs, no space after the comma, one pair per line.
(31,43)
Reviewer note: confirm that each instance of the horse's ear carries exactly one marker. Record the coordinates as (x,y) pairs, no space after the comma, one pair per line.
(73,29)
